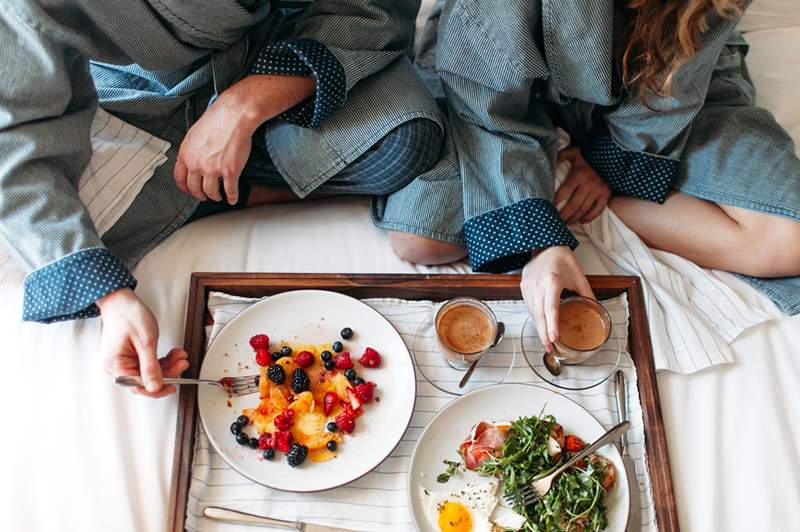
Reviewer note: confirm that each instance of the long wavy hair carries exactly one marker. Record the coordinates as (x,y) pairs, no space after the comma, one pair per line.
(662,35)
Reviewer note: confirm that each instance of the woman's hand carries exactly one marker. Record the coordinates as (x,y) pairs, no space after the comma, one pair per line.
(585,191)
(546,275)
(217,146)
(129,342)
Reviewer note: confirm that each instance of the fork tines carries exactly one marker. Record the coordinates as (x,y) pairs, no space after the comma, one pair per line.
(521,496)
(244,385)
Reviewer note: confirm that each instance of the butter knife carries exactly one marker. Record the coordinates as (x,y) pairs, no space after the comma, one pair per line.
(634,517)
(244,518)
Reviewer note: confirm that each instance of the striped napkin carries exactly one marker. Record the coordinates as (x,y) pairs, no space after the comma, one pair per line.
(378,501)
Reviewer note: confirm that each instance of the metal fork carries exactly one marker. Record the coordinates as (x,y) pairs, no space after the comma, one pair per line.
(233,385)
(539,487)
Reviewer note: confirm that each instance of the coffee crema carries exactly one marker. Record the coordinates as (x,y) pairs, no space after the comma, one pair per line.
(580,326)
(465,329)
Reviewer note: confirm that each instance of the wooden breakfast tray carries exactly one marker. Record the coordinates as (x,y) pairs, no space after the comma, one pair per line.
(414,286)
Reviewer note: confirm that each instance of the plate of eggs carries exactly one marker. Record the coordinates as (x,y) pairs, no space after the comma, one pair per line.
(450,490)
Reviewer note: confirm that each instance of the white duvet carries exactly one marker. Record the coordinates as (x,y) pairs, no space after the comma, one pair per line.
(80,455)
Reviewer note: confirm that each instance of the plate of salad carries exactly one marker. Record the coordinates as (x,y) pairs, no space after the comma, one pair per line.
(501,437)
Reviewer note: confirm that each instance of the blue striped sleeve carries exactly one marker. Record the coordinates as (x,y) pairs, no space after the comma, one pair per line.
(503,239)
(305,57)
(68,288)
(631,173)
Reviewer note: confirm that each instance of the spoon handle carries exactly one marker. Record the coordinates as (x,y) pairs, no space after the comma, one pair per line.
(468,374)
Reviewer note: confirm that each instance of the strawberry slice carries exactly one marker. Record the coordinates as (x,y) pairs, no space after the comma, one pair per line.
(370,359)
(329,402)
(352,396)
(364,391)
(343,361)
(282,440)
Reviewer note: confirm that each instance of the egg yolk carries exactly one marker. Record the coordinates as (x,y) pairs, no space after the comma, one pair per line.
(454,517)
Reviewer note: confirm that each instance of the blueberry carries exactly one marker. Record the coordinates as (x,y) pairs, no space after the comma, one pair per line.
(235,428)
(286,350)
(242,439)
(268,454)
(357,381)
(330,365)
(347,333)
(243,420)
(337,346)
(326,356)
(350,374)
(276,356)
(331,445)
(332,426)
(253,443)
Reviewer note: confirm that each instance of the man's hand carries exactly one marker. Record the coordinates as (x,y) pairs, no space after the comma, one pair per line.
(129,342)
(545,276)
(218,145)
(585,190)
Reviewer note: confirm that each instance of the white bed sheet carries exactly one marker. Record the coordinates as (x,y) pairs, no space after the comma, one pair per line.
(79,454)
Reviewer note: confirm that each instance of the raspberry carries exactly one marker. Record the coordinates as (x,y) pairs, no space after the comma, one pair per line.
(304,359)
(346,420)
(282,440)
(364,391)
(284,420)
(266,441)
(259,341)
(276,374)
(297,454)
(370,358)
(343,361)
(300,381)
(263,357)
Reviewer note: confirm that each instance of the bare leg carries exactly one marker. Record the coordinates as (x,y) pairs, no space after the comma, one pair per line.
(715,236)
(427,251)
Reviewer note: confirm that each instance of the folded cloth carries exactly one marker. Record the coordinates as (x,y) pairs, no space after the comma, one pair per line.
(693,314)
(123,158)
(378,501)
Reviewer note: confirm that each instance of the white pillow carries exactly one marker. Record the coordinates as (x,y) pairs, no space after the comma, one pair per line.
(771,14)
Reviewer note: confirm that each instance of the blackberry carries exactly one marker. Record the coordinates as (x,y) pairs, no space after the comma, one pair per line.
(331,445)
(326,356)
(286,350)
(268,454)
(337,346)
(350,374)
(243,420)
(347,333)
(276,374)
(297,454)
(330,365)
(300,381)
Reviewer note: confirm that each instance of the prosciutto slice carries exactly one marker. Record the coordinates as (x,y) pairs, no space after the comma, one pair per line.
(484,441)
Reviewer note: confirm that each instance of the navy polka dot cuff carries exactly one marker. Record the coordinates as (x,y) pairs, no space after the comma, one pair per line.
(503,239)
(632,173)
(68,288)
(305,57)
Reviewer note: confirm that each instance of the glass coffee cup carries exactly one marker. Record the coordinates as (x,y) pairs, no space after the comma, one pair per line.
(584,327)
(466,328)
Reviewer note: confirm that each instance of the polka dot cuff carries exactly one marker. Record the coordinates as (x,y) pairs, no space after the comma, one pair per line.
(632,173)
(68,288)
(305,57)
(503,239)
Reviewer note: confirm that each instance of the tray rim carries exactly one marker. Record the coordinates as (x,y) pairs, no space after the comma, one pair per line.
(415,286)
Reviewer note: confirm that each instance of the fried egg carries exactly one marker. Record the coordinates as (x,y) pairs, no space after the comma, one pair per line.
(474,508)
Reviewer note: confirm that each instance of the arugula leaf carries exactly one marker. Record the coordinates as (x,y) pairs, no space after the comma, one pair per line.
(452,469)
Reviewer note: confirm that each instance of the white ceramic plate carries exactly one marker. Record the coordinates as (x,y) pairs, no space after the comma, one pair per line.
(310,317)
(440,440)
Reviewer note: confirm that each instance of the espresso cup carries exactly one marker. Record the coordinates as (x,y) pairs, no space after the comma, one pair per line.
(584,328)
(466,328)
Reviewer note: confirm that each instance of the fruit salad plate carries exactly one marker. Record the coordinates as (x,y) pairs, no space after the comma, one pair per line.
(446,494)
(336,391)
